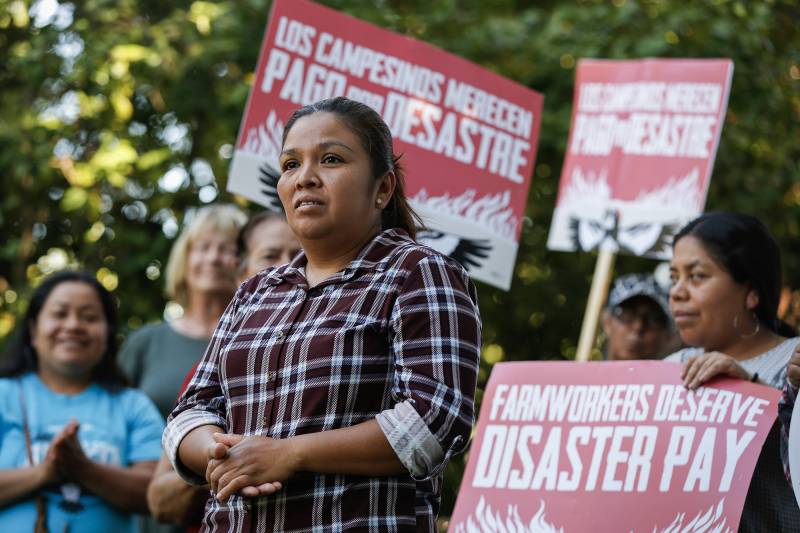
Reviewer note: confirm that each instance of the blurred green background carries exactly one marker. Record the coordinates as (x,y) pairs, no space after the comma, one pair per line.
(117,117)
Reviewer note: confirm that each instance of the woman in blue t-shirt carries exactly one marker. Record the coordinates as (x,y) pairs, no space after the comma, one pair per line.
(77,448)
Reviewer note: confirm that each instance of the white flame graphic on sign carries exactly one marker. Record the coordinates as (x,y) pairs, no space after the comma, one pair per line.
(265,139)
(710,521)
(491,211)
(486,520)
(591,186)
(682,192)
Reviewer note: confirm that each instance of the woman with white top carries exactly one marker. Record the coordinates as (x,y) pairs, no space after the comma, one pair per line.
(724,298)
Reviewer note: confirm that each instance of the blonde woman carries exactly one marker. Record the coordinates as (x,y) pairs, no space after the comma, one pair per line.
(201,277)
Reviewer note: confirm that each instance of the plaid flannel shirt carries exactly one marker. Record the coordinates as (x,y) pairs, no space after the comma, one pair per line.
(394,336)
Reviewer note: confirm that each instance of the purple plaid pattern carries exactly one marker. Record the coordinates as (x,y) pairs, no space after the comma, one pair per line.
(399,325)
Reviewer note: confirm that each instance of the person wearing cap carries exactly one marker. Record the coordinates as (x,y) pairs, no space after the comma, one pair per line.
(637,322)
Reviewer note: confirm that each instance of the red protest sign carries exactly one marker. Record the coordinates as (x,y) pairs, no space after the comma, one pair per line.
(468,135)
(610,446)
(642,143)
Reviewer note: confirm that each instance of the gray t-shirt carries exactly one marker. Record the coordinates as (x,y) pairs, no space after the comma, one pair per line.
(770,504)
(156,359)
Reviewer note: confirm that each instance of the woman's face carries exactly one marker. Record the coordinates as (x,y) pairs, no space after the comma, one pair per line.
(270,243)
(705,299)
(326,185)
(211,263)
(70,334)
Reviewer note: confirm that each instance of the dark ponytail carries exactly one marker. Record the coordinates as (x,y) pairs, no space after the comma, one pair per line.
(399,214)
(376,138)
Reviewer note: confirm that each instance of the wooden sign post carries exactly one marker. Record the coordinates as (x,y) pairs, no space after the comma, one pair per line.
(603,271)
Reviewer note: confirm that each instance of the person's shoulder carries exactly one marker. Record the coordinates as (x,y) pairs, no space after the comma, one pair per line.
(133,400)
(260,280)
(10,392)
(683,354)
(6,384)
(8,396)
(254,288)
(126,393)
(139,413)
(138,344)
(411,255)
(786,348)
(147,332)
(417,266)
(792,342)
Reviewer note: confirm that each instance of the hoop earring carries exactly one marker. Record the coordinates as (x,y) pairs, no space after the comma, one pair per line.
(749,335)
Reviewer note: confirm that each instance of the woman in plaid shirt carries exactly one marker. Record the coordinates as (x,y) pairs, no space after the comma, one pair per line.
(335,387)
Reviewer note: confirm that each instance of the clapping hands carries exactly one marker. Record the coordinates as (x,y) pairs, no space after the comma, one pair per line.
(65,459)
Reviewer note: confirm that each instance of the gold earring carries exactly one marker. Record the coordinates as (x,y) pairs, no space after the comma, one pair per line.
(752,333)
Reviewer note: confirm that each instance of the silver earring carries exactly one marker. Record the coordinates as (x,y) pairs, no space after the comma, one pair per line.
(748,335)
(378,201)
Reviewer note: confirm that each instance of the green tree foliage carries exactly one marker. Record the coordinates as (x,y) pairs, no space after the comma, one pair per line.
(119,116)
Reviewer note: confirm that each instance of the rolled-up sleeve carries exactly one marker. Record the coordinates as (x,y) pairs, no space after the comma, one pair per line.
(203,401)
(436,338)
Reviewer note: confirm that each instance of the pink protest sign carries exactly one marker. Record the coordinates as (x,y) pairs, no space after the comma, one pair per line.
(468,135)
(641,148)
(610,446)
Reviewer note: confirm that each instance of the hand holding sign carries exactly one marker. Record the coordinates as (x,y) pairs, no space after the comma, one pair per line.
(698,370)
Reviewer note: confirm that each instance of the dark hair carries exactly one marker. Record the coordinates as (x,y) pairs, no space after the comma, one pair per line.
(376,139)
(20,357)
(744,247)
(246,231)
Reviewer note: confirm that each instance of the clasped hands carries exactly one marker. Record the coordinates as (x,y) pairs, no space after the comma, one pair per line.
(249,466)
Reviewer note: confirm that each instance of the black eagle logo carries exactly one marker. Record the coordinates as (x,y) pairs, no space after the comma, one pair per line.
(642,238)
(269,177)
(469,252)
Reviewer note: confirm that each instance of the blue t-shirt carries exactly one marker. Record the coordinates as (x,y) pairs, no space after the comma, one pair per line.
(117,428)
